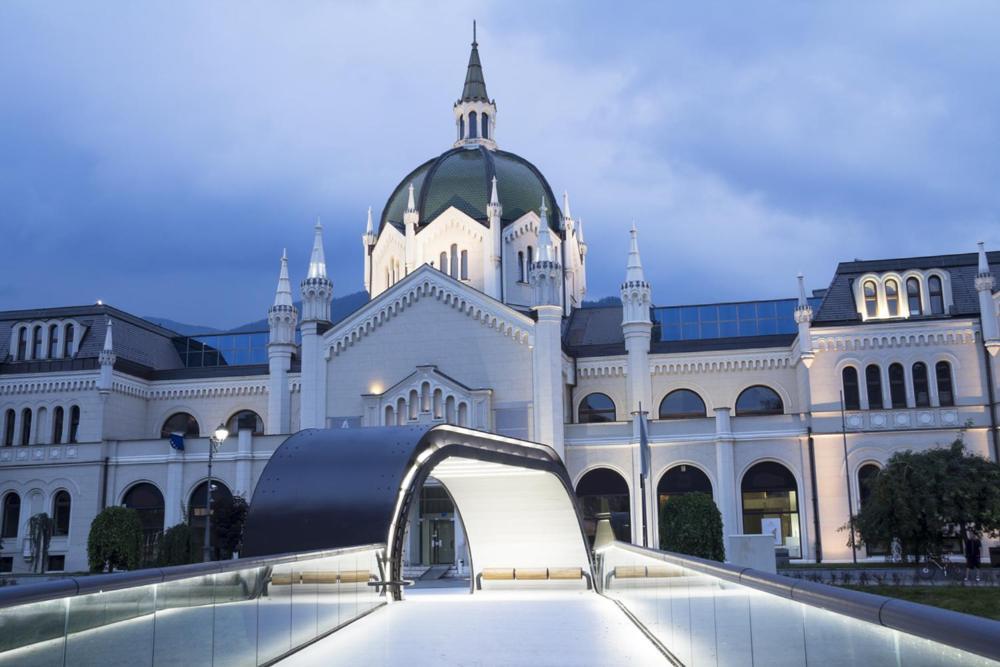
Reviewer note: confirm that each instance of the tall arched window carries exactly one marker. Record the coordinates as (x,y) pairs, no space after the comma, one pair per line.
(11,515)
(390,416)
(596,408)
(465,265)
(67,341)
(245,420)
(453,271)
(871,298)
(604,491)
(759,400)
(400,411)
(936,295)
(913,296)
(438,406)
(36,343)
(53,340)
(892,297)
(74,423)
(443,262)
(472,124)
(10,417)
(852,391)
(921,385)
(463,414)
(531,256)
(22,344)
(682,404)
(520,266)
(182,423)
(61,505)
(414,404)
(897,386)
(425,397)
(770,505)
(873,383)
(946,393)
(485,124)
(41,422)
(449,410)
(681,480)
(147,501)
(461,127)
(26,426)
(222,503)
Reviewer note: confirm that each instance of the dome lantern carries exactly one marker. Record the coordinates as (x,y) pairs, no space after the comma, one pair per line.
(475,113)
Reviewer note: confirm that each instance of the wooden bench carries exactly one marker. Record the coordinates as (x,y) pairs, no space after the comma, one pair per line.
(641,572)
(532,574)
(345,577)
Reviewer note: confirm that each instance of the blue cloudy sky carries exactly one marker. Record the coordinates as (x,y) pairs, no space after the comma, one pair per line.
(160,155)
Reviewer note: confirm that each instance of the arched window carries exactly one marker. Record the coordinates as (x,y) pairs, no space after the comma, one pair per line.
(437,404)
(414,404)
(852,391)
(400,411)
(465,265)
(770,505)
(897,386)
(245,420)
(67,341)
(873,383)
(74,423)
(61,505)
(222,504)
(936,295)
(53,340)
(520,266)
(604,491)
(390,416)
(147,500)
(759,400)
(596,408)
(10,417)
(485,124)
(11,515)
(892,297)
(682,404)
(871,298)
(921,385)
(463,414)
(913,296)
(22,344)
(425,397)
(461,127)
(41,422)
(449,410)
(946,393)
(681,480)
(36,343)
(26,426)
(531,257)
(472,125)
(182,423)
(453,271)
(443,262)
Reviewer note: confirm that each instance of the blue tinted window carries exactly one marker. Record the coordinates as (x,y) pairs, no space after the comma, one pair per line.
(727,312)
(766,309)
(709,329)
(748,311)
(729,329)
(223,349)
(672,332)
(708,313)
(726,320)
(689,314)
(690,331)
(671,315)
(748,327)
(767,327)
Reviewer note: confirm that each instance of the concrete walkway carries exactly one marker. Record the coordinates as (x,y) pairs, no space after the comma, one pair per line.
(447,626)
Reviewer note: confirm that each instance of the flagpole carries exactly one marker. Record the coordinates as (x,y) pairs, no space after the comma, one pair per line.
(847,471)
(643,473)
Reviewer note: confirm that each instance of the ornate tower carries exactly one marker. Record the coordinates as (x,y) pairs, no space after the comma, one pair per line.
(410,219)
(803,318)
(492,246)
(475,113)
(987,309)
(545,276)
(317,293)
(368,240)
(637,328)
(281,318)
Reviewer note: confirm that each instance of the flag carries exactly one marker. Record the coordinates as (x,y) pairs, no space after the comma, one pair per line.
(177,441)
(644,454)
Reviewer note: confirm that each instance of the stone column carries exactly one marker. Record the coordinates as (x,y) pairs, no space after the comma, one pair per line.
(726,493)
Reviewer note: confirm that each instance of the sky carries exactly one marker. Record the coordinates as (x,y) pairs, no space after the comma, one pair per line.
(159,156)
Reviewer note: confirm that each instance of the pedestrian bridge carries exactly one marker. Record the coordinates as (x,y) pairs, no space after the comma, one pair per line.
(320,583)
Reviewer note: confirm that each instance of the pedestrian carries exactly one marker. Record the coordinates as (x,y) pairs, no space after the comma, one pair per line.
(972,546)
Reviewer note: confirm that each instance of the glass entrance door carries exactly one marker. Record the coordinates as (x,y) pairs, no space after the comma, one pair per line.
(442,541)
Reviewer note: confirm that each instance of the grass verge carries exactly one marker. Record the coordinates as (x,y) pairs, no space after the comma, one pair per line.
(979,601)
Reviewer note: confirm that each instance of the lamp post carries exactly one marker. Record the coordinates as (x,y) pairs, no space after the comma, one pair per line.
(214,442)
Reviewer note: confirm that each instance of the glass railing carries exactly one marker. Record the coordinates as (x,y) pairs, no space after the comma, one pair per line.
(241,612)
(706,613)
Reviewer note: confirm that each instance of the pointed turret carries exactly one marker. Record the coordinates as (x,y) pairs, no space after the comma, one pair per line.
(494,209)
(283,293)
(803,317)
(545,247)
(475,113)
(410,220)
(567,216)
(633,270)
(545,272)
(282,317)
(317,261)
(369,227)
(106,359)
(368,240)
(317,290)
(492,244)
(987,308)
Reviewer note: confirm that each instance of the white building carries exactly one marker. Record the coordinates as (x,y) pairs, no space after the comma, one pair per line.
(477,275)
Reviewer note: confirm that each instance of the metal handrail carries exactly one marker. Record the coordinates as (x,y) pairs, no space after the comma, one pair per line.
(962,631)
(12,596)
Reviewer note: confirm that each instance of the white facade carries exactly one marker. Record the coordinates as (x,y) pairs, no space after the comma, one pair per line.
(475,319)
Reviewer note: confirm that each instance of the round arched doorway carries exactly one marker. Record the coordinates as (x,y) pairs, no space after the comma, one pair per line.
(771,505)
(602,490)
(224,535)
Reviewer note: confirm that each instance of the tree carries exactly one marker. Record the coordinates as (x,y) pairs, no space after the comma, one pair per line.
(230,519)
(922,499)
(177,546)
(40,531)
(115,540)
(691,524)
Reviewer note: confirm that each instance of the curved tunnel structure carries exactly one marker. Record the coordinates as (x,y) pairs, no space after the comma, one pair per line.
(330,488)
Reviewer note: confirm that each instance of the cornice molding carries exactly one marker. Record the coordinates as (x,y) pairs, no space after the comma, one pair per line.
(756,361)
(845,341)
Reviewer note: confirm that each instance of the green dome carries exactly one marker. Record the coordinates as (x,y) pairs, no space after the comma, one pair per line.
(462,177)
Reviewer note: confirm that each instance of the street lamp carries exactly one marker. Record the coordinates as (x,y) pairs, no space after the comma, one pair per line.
(214,442)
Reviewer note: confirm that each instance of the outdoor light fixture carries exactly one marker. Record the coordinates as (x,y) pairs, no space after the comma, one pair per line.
(215,441)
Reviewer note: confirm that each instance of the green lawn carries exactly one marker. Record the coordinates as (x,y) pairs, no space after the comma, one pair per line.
(981,601)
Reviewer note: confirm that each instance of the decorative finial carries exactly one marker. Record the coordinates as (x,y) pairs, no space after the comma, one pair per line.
(474,33)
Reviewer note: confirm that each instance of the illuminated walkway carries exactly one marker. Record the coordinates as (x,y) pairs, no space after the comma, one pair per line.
(447,626)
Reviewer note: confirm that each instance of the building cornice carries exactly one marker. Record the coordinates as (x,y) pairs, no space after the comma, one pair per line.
(895,335)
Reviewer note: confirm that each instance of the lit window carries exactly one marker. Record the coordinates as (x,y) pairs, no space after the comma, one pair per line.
(759,400)
(871,298)
(873,381)
(921,390)
(852,391)
(913,296)
(596,408)
(946,393)
(769,493)
(892,297)
(936,295)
